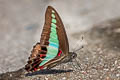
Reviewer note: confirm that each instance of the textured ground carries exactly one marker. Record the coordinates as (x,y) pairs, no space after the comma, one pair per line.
(21,24)
(98,60)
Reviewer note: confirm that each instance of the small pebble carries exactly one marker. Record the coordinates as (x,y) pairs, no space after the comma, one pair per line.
(118,75)
(64,78)
(115,62)
(46,78)
(118,67)
(10,75)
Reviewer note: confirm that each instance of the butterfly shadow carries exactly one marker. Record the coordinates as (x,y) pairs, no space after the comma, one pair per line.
(48,71)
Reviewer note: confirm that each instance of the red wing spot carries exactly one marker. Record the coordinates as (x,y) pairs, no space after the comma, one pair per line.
(41,55)
(35,69)
(60,52)
(41,67)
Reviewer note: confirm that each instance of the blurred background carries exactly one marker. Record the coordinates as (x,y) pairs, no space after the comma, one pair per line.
(21,23)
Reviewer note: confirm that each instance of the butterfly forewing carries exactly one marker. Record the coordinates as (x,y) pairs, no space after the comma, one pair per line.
(64,46)
(63,41)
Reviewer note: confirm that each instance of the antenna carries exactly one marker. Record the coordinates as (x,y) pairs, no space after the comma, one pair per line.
(78,49)
(80,43)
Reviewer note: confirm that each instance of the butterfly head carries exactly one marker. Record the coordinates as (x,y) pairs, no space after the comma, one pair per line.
(72,55)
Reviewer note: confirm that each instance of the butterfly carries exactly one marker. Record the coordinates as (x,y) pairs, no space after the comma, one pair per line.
(53,48)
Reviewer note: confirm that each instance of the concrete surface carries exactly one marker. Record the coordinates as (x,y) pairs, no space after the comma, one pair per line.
(21,22)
